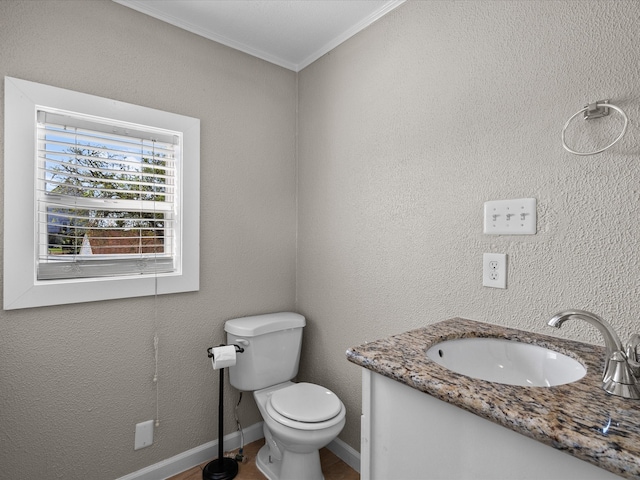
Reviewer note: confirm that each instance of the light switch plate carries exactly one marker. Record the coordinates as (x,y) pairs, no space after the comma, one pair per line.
(510,217)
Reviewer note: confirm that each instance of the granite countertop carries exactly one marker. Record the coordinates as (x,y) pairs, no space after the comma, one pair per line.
(578,418)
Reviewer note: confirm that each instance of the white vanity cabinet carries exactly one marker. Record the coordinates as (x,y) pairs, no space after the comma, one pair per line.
(410,435)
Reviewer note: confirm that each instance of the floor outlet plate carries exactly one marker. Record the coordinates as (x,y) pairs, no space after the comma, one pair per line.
(144,435)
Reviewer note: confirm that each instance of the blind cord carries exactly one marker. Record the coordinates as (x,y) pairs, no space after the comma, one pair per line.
(155,295)
(155,380)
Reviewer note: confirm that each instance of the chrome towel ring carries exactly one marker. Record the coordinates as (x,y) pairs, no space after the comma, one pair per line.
(596,110)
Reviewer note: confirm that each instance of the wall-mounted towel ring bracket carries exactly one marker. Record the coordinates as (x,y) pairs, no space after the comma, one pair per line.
(596,110)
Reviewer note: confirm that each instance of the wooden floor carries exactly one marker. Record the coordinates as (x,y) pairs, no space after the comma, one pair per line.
(332,467)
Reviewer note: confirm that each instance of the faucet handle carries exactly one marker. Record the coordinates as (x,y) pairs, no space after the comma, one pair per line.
(632,346)
(618,378)
(632,354)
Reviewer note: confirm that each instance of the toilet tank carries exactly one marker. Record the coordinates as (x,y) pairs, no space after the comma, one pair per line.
(271,345)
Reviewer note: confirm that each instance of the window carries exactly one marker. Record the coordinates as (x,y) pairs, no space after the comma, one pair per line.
(101,198)
(105,198)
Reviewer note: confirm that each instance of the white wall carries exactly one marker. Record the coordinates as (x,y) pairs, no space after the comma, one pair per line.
(407,128)
(74,380)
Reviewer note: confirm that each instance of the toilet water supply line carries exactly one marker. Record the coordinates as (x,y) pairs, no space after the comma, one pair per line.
(240,456)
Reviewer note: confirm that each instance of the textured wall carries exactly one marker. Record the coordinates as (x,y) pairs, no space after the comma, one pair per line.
(74,380)
(404,131)
(407,128)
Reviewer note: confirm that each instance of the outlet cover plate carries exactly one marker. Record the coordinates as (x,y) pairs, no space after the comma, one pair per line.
(494,270)
(510,217)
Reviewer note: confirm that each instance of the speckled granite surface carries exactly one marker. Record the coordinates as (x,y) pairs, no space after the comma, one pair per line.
(579,418)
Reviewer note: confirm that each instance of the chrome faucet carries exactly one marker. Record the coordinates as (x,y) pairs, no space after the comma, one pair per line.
(621,369)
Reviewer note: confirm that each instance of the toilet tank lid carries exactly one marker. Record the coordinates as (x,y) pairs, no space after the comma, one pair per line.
(263,324)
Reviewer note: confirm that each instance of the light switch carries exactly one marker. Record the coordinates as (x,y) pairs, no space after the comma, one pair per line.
(510,217)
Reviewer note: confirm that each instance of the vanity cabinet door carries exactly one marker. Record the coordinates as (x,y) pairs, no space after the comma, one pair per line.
(410,435)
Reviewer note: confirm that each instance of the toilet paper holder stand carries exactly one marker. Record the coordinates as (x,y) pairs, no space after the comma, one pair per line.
(221,468)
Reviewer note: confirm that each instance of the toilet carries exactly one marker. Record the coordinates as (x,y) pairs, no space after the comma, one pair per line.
(299,418)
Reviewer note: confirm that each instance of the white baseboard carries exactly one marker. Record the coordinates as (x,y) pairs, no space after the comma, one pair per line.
(186,460)
(346,453)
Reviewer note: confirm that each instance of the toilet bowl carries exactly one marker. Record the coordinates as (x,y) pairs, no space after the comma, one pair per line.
(299,419)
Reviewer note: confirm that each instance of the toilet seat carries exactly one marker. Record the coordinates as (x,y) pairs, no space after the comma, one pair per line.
(306,402)
(305,406)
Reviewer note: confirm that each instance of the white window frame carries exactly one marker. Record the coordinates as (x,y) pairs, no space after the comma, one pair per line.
(21,287)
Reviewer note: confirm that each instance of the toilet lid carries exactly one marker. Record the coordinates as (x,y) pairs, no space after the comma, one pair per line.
(306,402)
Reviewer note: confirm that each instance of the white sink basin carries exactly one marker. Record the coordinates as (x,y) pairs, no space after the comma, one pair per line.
(506,361)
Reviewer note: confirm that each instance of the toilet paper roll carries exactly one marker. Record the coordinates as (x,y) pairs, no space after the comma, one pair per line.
(223,357)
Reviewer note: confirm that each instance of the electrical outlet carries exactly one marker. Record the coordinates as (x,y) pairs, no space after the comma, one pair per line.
(144,435)
(494,270)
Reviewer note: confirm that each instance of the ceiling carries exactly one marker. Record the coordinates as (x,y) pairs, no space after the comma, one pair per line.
(289,33)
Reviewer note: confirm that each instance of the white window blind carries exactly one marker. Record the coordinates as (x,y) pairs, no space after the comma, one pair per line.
(106,197)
